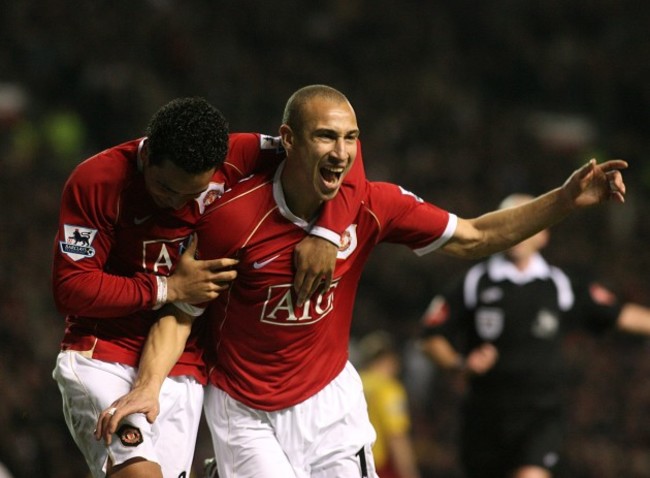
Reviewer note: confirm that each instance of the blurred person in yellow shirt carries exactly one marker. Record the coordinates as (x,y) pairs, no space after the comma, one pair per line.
(379,365)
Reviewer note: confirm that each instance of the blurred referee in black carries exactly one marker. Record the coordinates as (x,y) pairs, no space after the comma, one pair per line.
(502,325)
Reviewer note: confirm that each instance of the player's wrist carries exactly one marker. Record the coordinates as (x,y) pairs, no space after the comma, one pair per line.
(327,234)
(151,383)
(162,291)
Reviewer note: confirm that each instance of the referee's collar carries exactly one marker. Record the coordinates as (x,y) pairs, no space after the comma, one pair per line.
(499,268)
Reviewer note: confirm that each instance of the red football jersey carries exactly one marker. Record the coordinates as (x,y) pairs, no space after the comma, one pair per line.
(265,351)
(113,241)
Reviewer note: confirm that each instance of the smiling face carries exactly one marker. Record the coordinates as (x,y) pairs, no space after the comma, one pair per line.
(320,152)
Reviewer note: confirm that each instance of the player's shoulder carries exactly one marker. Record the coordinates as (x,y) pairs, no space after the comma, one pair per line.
(243,139)
(383,191)
(233,217)
(112,165)
(257,141)
(388,199)
(248,194)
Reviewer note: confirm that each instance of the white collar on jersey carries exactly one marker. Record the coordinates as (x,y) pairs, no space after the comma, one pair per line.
(499,268)
(280,200)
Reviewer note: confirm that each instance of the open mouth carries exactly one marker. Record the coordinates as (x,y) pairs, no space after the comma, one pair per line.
(331,175)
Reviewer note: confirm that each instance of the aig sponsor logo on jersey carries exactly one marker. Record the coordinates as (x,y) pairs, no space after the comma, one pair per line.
(489,322)
(280,309)
(78,240)
(158,256)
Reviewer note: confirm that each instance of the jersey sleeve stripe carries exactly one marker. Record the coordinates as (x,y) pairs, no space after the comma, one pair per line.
(446,235)
(326,234)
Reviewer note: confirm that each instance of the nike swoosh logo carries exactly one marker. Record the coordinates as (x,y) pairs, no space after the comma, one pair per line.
(139,220)
(259,265)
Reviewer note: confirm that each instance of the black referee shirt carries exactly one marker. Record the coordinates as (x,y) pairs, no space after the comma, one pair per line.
(525,314)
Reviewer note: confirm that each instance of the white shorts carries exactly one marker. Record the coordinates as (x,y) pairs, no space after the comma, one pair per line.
(88,386)
(329,435)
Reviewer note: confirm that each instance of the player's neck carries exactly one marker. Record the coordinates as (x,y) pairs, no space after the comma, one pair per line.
(521,263)
(298,199)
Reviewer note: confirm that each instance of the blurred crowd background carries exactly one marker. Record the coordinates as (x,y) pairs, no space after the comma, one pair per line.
(461,102)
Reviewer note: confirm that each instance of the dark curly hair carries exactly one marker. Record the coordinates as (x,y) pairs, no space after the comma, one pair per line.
(189,132)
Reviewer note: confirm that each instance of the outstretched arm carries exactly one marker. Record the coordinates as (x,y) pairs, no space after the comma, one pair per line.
(499,230)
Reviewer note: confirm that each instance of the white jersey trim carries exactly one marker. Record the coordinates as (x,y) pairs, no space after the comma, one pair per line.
(280,200)
(326,234)
(499,268)
(161,292)
(189,309)
(442,240)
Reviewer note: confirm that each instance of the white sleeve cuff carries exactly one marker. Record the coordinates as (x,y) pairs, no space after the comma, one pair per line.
(189,309)
(161,292)
(446,235)
(326,234)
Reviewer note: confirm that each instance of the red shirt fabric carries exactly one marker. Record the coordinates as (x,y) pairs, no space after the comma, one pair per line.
(113,240)
(264,350)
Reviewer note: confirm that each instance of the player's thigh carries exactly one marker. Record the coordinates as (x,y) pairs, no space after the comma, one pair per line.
(359,465)
(136,468)
(87,387)
(330,433)
(169,442)
(176,427)
(244,442)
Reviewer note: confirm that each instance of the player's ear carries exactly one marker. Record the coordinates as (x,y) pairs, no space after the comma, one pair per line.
(287,136)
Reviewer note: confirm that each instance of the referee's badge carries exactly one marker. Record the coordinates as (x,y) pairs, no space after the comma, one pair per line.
(489,322)
(546,324)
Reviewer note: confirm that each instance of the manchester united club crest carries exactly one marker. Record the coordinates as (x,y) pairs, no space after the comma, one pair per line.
(130,435)
(348,242)
(210,195)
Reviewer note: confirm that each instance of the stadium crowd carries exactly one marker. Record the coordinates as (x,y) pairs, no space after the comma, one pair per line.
(460,102)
